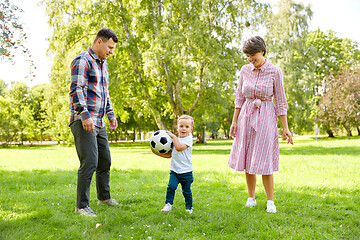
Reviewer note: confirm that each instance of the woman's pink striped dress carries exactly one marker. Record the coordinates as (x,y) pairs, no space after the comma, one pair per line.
(256,145)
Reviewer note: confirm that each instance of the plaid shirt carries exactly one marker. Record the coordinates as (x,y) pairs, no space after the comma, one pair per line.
(89,94)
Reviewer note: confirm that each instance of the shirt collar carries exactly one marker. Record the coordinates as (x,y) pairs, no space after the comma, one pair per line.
(93,55)
(262,68)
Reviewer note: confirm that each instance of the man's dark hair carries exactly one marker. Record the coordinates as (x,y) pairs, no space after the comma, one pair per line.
(105,34)
(254,45)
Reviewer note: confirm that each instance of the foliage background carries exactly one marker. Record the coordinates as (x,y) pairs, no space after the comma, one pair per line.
(178,58)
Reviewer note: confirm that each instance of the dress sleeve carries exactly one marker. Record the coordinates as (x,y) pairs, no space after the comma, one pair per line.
(281,105)
(240,99)
(79,68)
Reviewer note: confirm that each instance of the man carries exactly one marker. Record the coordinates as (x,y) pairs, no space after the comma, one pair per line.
(89,102)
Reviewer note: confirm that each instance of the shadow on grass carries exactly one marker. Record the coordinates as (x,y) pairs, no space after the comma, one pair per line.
(334,138)
(319,150)
(41,203)
(211,151)
(37,146)
(130,144)
(217,142)
(291,150)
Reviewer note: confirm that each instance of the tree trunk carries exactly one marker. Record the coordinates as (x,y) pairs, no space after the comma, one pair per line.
(201,138)
(358,129)
(348,132)
(139,73)
(204,135)
(329,132)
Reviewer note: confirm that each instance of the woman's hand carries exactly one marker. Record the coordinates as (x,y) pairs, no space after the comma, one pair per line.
(232,132)
(287,136)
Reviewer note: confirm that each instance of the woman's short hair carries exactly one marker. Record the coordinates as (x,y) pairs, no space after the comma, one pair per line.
(254,45)
(105,34)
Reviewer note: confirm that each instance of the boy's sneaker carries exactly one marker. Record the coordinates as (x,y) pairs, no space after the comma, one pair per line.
(251,202)
(86,211)
(189,211)
(166,208)
(271,208)
(110,202)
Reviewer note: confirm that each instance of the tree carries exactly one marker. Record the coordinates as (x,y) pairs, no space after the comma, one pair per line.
(12,35)
(342,99)
(184,41)
(14,113)
(215,111)
(3,87)
(11,30)
(38,122)
(56,103)
(170,53)
(287,30)
(5,120)
(329,55)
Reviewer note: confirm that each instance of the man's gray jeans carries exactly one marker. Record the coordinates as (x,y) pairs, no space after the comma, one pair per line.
(94,155)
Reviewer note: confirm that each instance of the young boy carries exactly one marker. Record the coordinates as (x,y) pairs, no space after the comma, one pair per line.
(180,166)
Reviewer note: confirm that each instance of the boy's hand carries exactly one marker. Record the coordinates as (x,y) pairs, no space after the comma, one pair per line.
(170,134)
(178,146)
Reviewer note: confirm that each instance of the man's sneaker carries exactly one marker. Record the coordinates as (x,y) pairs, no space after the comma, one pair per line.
(109,202)
(166,208)
(189,211)
(251,202)
(271,208)
(86,211)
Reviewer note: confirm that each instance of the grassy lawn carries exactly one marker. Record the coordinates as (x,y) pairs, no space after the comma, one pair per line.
(317,192)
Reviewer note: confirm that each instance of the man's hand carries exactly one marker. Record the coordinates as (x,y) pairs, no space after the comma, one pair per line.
(113,123)
(88,125)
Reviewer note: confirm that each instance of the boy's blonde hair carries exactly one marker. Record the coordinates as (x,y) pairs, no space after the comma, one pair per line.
(186,117)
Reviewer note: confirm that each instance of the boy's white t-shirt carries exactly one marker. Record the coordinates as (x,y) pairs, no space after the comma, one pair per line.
(181,161)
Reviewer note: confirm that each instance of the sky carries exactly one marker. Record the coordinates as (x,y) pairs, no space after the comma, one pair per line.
(342,17)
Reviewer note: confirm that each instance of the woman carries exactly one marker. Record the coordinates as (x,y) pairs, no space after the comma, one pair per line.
(254,124)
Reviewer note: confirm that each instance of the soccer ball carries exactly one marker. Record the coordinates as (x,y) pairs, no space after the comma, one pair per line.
(161,142)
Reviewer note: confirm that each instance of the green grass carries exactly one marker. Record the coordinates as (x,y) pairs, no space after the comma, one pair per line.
(317,192)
